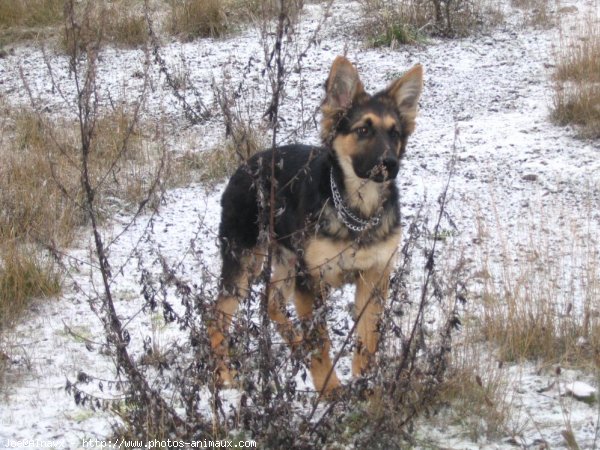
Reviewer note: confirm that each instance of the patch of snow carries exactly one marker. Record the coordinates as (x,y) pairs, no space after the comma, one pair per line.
(580,390)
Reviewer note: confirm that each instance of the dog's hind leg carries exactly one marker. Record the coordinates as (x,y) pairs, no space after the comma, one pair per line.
(283,280)
(237,275)
(371,292)
(316,339)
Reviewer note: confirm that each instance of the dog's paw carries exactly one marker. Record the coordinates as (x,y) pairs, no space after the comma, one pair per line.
(225,378)
(334,394)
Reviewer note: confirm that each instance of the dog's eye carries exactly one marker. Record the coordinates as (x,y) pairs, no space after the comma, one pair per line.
(394,133)
(363,131)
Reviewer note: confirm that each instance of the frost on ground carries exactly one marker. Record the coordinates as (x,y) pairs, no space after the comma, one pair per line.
(517,176)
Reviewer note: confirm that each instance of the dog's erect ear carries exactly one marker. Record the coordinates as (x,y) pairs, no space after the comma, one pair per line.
(405,91)
(343,85)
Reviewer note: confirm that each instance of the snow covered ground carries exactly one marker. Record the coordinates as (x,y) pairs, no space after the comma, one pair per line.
(516,172)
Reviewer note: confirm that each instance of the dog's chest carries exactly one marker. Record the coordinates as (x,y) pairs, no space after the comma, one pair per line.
(332,261)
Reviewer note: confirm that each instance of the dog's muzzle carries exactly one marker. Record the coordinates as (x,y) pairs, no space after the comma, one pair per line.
(387,169)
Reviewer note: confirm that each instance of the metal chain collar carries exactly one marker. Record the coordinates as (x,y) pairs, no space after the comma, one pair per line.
(344,213)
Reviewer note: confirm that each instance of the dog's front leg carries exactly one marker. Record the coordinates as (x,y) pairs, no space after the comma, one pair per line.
(371,292)
(283,277)
(318,343)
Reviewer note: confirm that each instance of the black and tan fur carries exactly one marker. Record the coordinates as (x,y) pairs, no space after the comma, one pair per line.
(364,139)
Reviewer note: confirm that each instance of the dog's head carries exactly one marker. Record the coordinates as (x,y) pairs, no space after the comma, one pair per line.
(369,132)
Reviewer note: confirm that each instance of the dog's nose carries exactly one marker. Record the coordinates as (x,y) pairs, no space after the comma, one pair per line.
(390,164)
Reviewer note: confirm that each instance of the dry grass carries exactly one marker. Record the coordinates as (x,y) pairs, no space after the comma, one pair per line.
(391,23)
(128,26)
(536,297)
(125,159)
(21,19)
(577,81)
(119,22)
(32,209)
(542,303)
(538,13)
(191,19)
(122,22)
(264,10)
(40,191)
(26,176)
(215,165)
(477,395)
(199,18)
(475,398)
(24,274)
(30,13)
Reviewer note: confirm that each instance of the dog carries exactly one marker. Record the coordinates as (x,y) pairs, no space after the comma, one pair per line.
(335,220)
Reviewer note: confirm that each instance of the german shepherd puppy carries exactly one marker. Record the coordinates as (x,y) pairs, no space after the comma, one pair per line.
(336,219)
